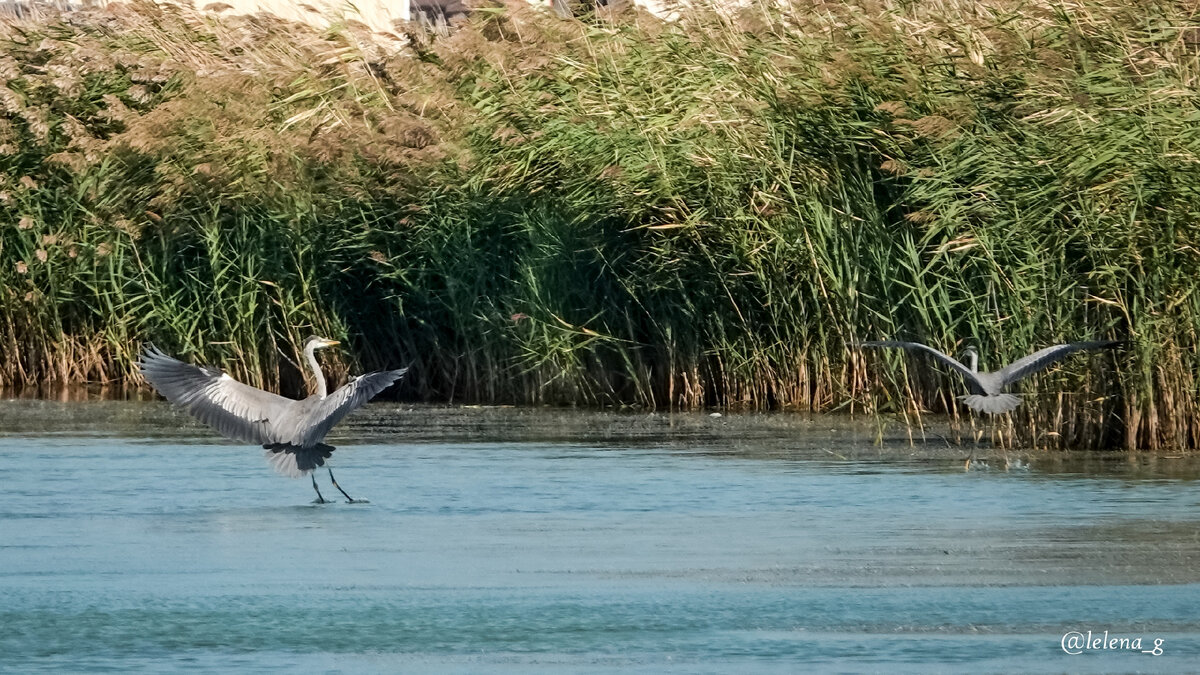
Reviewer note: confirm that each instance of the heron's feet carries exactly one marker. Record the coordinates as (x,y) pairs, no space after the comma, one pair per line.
(319,499)
(349,499)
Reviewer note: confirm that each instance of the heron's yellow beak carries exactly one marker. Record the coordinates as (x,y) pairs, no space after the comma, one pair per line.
(330,343)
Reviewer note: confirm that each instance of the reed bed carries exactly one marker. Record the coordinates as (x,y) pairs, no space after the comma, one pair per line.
(616,210)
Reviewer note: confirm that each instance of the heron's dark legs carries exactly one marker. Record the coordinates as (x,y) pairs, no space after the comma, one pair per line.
(320,499)
(349,499)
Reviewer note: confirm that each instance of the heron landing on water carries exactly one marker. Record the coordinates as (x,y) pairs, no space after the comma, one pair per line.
(987,388)
(290,431)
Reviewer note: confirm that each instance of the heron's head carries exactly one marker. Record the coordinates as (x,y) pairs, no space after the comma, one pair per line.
(972,357)
(316,342)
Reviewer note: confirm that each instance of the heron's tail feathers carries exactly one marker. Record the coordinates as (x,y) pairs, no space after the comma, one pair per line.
(294,461)
(993,404)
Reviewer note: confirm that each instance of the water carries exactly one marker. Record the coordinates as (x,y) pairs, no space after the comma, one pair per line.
(503,540)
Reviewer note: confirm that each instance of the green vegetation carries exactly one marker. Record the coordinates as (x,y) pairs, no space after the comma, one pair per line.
(617,210)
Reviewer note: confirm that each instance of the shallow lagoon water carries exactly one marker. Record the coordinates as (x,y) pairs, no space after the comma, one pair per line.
(518,540)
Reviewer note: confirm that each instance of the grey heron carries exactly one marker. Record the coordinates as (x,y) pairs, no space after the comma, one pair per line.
(290,431)
(987,388)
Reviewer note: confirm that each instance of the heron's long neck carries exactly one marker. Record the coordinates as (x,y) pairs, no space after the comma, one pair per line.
(316,371)
(974,365)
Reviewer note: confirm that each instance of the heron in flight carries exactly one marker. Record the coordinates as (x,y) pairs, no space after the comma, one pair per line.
(987,388)
(290,431)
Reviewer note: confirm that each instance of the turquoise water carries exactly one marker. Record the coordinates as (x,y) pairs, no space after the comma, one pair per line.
(543,541)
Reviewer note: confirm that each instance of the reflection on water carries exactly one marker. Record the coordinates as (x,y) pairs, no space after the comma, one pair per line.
(520,539)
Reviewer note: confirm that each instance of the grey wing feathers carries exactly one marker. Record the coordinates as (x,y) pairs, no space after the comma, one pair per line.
(1043,358)
(972,381)
(238,411)
(354,394)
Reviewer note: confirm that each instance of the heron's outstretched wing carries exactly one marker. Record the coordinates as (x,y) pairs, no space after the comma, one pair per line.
(1043,358)
(237,410)
(354,394)
(973,383)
